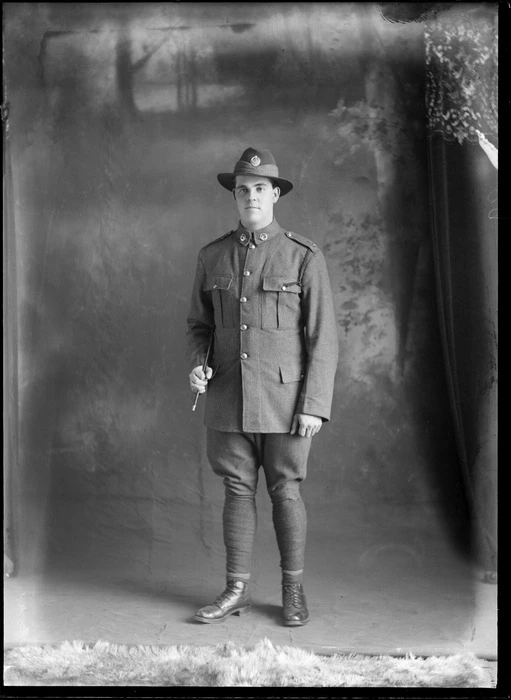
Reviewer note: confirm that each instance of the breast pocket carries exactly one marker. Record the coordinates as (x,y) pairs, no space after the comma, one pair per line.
(221,288)
(280,303)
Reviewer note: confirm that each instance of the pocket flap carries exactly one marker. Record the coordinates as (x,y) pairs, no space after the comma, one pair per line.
(217,282)
(291,373)
(280,284)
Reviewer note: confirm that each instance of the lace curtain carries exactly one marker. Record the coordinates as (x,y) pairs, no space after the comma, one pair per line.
(462,68)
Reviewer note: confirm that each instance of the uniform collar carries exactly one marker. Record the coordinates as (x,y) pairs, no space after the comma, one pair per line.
(261,235)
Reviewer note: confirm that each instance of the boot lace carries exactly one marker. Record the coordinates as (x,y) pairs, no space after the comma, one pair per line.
(293,594)
(227,593)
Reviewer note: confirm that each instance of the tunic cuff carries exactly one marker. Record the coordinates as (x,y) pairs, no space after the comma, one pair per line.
(311,407)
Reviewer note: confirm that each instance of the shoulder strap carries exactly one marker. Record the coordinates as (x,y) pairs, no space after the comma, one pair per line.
(226,235)
(302,240)
(311,249)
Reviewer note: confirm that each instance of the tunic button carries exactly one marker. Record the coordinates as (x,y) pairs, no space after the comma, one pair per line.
(243,326)
(243,299)
(263,236)
(284,287)
(246,273)
(289,235)
(251,246)
(244,356)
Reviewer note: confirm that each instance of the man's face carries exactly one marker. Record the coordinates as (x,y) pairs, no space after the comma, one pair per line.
(255,197)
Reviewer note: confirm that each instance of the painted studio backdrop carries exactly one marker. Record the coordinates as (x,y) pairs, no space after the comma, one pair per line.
(120,117)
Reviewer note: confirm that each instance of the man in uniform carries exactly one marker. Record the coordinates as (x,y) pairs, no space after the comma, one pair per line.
(263,293)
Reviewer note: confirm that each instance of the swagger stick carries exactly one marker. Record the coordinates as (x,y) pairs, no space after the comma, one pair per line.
(204,367)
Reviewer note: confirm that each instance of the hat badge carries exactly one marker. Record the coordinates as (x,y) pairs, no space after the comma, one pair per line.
(255,160)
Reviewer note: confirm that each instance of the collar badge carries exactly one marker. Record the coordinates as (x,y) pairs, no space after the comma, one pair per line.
(255,160)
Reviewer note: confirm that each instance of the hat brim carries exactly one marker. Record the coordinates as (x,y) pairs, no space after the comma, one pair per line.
(227,181)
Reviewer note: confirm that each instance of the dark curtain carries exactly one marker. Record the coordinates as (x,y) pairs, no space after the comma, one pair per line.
(461,94)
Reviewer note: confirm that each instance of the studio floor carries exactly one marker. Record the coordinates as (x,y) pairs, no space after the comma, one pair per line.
(385,589)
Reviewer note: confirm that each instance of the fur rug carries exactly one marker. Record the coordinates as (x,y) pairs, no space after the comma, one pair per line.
(262,665)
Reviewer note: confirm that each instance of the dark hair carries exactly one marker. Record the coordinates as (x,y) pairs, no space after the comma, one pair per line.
(274,183)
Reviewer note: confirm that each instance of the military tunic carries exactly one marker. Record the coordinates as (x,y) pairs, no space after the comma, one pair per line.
(267,296)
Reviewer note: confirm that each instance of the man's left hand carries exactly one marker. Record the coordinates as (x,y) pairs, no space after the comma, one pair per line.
(305,425)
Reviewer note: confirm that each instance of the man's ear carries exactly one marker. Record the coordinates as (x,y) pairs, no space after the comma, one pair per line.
(276,194)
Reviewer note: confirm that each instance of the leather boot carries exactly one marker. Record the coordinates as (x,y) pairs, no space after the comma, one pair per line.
(234,600)
(294,604)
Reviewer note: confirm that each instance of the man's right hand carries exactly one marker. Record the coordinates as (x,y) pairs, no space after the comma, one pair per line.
(199,380)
